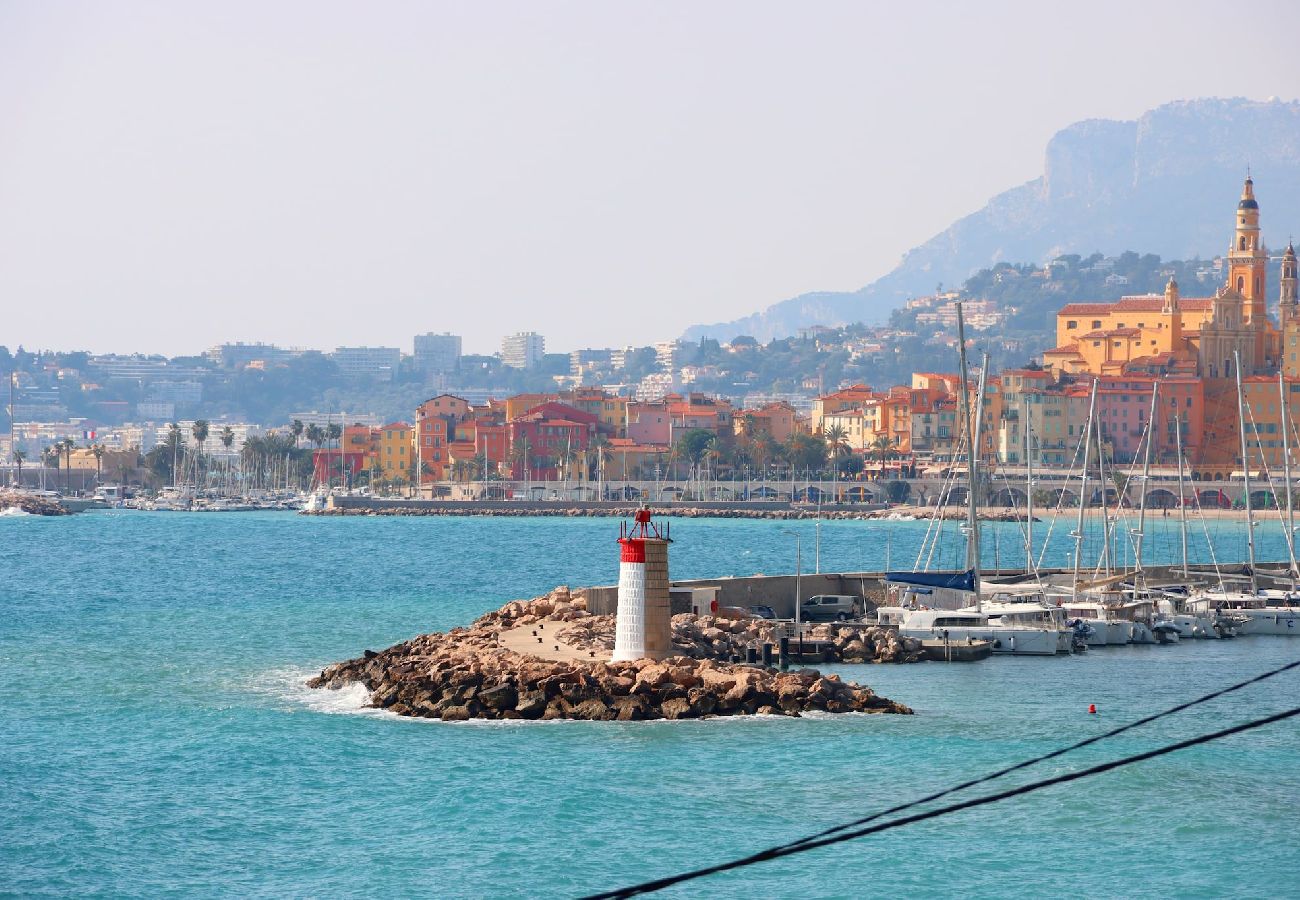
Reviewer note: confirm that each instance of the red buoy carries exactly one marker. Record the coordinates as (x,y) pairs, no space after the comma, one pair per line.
(1092,709)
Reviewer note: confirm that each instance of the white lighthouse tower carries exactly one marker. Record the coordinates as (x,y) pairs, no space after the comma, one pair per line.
(644,625)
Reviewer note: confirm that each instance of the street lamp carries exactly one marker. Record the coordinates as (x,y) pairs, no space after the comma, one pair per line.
(798,574)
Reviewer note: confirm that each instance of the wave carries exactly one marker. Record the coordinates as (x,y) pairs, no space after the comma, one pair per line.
(288,686)
(11,512)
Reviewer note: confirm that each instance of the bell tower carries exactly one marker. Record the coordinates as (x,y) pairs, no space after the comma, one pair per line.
(1288,311)
(1247,258)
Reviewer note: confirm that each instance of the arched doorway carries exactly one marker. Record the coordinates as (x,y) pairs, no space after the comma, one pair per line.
(1161,499)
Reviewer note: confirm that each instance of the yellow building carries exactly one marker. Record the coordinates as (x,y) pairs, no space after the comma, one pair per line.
(846,399)
(1172,333)
(395,451)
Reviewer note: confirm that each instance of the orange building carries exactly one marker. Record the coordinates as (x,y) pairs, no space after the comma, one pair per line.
(778,420)
(1172,333)
(435,428)
(844,399)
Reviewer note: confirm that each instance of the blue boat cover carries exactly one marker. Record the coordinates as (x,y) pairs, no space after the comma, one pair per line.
(958,581)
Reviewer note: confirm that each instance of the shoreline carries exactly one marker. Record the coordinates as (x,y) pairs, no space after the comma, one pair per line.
(561,509)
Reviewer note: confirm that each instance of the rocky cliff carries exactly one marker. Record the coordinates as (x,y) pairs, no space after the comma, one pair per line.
(1165,184)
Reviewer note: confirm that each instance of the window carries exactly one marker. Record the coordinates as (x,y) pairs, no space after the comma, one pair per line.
(1096,323)
(1071,325)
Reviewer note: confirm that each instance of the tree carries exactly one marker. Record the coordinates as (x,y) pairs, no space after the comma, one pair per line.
(692,445)
(851,465)
(837,441)
(295,428)
(19,456)
(67,444)
(98,451)
(200,432)
(882,450)
(806,452)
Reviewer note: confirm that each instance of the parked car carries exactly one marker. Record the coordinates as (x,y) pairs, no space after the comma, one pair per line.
(762,612)
(830,607)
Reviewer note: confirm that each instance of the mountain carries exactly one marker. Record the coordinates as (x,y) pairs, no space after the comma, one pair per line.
(1167,184)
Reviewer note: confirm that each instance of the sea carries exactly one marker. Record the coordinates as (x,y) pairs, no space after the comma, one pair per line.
(157,738)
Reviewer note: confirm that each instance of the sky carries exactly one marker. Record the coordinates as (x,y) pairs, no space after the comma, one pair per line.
(175,175)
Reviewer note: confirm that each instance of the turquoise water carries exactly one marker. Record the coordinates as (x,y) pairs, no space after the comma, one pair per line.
(156,737)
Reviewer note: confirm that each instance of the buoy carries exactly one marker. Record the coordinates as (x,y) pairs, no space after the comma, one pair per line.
(1092,709)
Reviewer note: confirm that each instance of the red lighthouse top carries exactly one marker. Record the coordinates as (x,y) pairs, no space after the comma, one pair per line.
(642,528)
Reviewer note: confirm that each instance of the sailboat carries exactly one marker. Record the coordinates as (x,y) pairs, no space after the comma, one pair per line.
(1255,611)
(1023,625)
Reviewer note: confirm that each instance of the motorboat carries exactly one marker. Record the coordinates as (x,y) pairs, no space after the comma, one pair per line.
(1004,632)
(1266,612)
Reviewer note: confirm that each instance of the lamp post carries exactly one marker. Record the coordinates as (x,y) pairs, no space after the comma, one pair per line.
(798,574)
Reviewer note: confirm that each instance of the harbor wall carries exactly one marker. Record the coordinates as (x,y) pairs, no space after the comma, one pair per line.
(778,591)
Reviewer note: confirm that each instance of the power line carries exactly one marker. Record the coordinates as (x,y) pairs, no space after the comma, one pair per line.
(830,836)
(1046,756)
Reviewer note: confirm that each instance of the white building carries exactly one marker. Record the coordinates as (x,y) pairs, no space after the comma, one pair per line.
(523,350)
(666,355)
(437,352)
(378,363)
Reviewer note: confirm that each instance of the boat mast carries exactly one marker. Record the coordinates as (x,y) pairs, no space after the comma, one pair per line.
(1245,474)
(1083,488)
(1105,507)
(1286,478)
(972,454)
(1146,473)
(1029,491)
(1182,501)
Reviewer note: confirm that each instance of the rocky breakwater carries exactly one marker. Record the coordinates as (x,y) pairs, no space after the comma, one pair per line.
(468,674)
(31,504)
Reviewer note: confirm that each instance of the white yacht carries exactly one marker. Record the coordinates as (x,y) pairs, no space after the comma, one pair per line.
(1265,612)
(1020,633)
(1097,617)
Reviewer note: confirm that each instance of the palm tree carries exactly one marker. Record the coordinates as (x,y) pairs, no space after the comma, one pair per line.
(837,441)
(227,441)
(174,441)
(882,449)
(67,444)
(98,451)
(296,429)
(200,432)
(19,456)
(519,454)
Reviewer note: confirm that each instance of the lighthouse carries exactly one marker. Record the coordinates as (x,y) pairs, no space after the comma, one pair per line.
(644,625)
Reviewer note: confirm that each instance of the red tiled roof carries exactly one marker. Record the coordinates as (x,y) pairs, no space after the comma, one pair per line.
(1085,309)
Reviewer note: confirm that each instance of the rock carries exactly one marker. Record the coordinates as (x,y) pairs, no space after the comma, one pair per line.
(592,710)
(499,697)
(531,704)
(677,708)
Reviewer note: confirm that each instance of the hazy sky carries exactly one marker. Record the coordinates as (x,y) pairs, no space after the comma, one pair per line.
(173,175)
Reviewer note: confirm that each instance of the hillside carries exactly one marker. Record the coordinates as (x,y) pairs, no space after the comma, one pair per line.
(1167,183)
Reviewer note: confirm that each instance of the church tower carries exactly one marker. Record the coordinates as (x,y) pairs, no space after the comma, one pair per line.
(1286,306)
(1247,258)
(1288,315)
